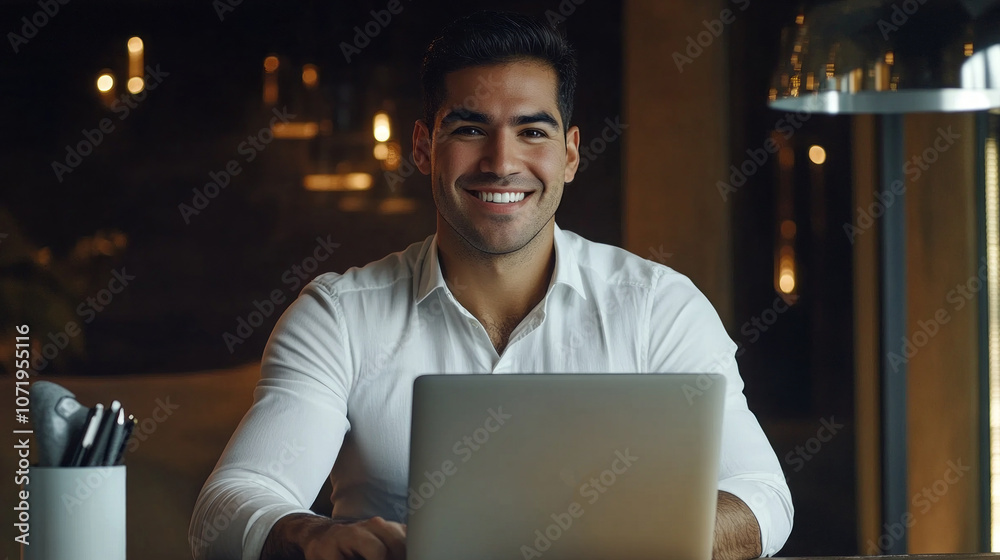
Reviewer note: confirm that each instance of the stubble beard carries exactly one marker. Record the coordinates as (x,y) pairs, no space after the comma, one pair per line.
(475,244)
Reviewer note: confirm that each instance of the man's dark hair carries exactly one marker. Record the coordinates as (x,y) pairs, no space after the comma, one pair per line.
(489,37)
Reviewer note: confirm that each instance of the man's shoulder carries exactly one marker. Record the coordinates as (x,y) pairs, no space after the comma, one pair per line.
(384,274)
(614,265)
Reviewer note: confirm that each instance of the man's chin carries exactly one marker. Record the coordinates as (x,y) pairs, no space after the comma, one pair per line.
(492,244)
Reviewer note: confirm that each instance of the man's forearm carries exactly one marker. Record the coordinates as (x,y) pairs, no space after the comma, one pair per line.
(737,534)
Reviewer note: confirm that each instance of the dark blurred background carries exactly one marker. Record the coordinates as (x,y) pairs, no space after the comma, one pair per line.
(210,268)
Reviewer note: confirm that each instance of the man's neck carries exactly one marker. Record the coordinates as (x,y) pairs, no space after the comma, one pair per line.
(498,289)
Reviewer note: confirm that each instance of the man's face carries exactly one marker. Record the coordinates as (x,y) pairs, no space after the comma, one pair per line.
(498,158)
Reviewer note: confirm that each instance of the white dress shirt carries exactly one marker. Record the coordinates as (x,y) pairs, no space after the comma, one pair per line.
(337,377)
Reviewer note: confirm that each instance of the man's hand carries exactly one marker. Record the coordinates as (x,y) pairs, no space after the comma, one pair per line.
(312,537)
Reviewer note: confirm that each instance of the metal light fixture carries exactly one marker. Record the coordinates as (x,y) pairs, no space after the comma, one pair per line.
(891,57)
(875,56)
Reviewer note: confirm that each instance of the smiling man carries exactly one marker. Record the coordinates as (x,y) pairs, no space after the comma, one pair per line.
(499,288)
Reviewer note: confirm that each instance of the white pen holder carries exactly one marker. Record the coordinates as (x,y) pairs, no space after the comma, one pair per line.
(77,513)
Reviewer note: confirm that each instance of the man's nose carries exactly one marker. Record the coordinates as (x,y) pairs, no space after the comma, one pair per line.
(501,156)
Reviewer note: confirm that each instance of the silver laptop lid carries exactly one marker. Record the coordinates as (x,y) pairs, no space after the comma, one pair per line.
(564,466)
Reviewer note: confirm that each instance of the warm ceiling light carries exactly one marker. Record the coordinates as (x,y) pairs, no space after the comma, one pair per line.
(135,45)
(400,205)
(105,82)
(817,155)
(787,281)
(337,182)
(381,151)
(876,63)
(135,85)
(309,75)
(295,130)
(381,126)
(270,64)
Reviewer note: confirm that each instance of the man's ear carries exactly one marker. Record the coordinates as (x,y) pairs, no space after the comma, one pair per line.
(572,153)
(422,147)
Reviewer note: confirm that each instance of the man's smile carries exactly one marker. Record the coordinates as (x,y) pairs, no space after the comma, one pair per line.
(498,200)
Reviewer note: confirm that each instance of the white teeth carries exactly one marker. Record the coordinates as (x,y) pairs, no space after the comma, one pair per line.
(501,198)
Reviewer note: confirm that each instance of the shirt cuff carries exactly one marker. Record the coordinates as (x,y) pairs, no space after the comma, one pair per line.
(260,524)
(768,498)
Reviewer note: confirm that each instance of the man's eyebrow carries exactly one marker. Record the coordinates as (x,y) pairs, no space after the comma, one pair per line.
(539,117)
(466,115)
(477,117)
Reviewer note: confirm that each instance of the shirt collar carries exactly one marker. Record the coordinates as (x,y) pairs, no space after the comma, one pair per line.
(429,277)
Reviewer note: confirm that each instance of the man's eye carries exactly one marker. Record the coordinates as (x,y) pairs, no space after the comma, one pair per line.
(468,131)
(535,133)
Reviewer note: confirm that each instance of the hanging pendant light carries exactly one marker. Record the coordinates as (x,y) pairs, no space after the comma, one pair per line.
(905,56)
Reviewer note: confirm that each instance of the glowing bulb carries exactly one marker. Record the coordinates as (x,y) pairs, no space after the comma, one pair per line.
(787,281)
(309,75)
(382,132)
(381,151)
(135,45)
(105,82)
(135,85)
(270,64)
(817,155)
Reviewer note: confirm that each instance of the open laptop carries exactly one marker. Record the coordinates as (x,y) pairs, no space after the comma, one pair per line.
(564,466)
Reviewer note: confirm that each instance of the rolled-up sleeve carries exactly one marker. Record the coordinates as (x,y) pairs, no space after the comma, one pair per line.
(286,444)
(687,336)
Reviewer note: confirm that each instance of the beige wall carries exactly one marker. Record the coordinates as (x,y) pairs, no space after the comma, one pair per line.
(677,145)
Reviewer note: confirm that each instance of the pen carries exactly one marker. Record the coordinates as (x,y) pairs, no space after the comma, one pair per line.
(128,433)
(70,456)
(95,456)
(88,436)
(115,441)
